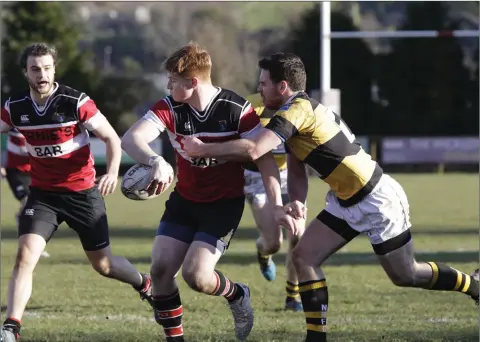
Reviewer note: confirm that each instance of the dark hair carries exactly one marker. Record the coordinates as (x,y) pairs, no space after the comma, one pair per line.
(286,67)
(37,50)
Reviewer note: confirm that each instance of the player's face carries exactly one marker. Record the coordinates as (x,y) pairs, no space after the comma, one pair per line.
(270,91)
(180,88)
(40,73)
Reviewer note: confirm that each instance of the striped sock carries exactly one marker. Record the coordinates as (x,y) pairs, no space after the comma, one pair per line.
(314,295)
(168,312)
(226,288)
(446,278)
(292,291)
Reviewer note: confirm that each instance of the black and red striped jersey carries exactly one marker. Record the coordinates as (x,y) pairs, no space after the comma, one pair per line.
(17,154)
(228,116)
(57,137)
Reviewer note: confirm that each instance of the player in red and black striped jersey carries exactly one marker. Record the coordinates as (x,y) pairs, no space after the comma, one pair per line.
(55,120)
(203,212)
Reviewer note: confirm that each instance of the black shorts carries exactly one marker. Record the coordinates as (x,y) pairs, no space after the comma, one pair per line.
(83,211)
(214,223)
(19,182)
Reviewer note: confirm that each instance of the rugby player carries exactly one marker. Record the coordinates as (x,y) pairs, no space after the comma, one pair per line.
(17,171)
(362,198)
(205,208)
(55,120)
(271,237)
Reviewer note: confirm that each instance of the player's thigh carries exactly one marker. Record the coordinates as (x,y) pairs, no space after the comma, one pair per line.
(178,222)
(265,221)
(19,183)
(325,235)
(85,212)
(218,222)
(168,255)
(200,260)
(40,215)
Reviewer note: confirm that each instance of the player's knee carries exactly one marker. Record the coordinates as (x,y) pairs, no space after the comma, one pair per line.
(24,260)
(272,246)
(159,269)
(102,267)
(196,280)
(300,259)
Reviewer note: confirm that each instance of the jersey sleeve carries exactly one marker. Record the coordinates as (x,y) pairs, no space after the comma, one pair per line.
(88,113)
(249,121)
(5,120)
(288,121)
(160,116)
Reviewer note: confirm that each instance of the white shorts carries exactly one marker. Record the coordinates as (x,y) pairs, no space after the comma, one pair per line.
(383,214)
(255,190)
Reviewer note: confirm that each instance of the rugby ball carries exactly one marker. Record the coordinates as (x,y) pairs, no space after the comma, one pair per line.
(135,181)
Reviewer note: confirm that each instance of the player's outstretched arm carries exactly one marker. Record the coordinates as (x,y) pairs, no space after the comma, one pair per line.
(135,142)
(297,183)
(105,132)
(249,149)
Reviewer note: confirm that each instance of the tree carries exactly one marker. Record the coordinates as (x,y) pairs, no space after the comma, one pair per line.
(351,66)
(425,81)
(28,22)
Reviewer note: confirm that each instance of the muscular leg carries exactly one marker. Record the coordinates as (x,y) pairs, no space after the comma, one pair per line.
(270,240)
(293,301)
(317,244)
(168,255)
(398,260)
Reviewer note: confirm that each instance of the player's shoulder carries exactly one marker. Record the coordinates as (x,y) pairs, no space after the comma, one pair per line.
(232,97)
(166,103)
(70,92)
(300,103)
(17,96)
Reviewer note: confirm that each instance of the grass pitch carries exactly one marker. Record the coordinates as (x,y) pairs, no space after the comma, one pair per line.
(70,302)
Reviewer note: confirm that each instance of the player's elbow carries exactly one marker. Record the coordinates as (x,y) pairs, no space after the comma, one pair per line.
(253,152)
(127,141)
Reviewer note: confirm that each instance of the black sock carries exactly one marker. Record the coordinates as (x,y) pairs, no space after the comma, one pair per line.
(227,288)
(446,278)
(292,291)
(168,312)
(13,324)
(314,295)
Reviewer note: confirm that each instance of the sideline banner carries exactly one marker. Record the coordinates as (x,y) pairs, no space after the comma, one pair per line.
(458,150)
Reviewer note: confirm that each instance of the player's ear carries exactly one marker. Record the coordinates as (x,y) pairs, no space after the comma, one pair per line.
(25,72)
(194,82)
(282,85)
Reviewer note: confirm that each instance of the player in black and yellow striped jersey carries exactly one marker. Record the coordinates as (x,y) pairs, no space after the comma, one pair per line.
(271,236)
(362,199)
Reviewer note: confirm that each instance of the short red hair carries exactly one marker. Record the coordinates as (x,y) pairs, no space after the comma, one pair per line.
(190,61)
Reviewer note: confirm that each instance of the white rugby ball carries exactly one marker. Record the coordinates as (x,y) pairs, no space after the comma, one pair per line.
(135,180)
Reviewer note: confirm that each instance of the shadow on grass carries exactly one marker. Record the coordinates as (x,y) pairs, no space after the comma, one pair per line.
(444,335)
(339,259)
(249,233)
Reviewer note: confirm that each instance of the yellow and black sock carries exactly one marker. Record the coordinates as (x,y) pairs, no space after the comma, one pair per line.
(314,296)
(446,278)
(263,260)
(292,291)
(168,312)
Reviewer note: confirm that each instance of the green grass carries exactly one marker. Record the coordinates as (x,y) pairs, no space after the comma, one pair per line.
(70,302)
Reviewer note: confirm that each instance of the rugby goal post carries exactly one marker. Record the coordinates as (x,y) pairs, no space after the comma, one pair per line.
(331,97)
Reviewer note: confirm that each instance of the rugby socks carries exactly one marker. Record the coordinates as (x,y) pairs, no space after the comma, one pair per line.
(446,278)
(292,291)
(226,288)
(143,287)
(263,260)
(314,296)
(13,325)
(168,312)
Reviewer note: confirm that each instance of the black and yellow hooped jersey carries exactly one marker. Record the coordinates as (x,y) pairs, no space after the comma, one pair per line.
(319,137)
(280,153)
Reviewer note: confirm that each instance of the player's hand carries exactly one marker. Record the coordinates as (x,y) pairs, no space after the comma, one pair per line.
(193,147)
(296,209)
(159,179)
(3,172)
(284,219)
(107,183)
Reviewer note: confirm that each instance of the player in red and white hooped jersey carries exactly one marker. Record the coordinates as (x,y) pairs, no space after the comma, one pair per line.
(55,120)
(203,212)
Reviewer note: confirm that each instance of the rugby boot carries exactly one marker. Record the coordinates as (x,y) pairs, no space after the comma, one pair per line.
(242,314)
(267,267)
(8,334)
(146,292)
(292,304)
(475,275)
